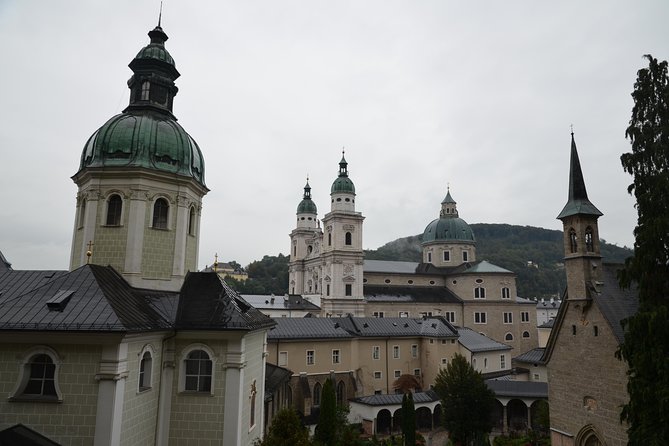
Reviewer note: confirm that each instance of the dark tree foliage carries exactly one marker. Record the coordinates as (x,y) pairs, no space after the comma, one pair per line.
(286,430)
(408,420)
(510,247)
(646,343)
(467,402)
(326,429)
(266,276)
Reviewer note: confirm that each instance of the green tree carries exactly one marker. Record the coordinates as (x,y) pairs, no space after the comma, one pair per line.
(326,429)
(467,402)
(286,430)
(646,343)
(408,419)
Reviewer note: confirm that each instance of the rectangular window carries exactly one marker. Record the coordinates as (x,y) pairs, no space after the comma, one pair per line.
(505,293)
(444,361)
(508,317)
(378,314)
(398,373)
(414,351)
(485,363)
(425,314)
(311,358)
(479,292)
(447,256)
(416,372)
(396,351)
(377,375)
(403,314)
(377,392)
(376,352)
(283,358)
(450,316)
(480,317)
(536,377)
(465,256)
(349,289)
(502,361)
(335,356)
(429,257)
(327,289)
(524,316)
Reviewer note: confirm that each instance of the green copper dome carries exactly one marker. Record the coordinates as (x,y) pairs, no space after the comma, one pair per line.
(343,183)
(147,134)
(149,140)
(156,49)
(307,205)
(448,229)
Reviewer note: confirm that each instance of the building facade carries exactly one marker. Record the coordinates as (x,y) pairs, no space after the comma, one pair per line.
(132,346)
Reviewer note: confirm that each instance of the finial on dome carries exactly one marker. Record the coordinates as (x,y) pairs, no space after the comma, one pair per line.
(215,262)
(160,15)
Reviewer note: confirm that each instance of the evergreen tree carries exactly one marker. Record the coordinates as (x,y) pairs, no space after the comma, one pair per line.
(326,429)
(467,402)
(286,430)
(646,343)
(408,420)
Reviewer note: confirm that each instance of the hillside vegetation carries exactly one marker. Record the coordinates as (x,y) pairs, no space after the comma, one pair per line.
(534,254)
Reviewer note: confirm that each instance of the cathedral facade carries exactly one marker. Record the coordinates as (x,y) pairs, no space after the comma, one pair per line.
(327,265)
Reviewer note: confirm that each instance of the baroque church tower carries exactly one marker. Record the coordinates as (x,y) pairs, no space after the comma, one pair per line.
(579,216)
(305,241)
(342,255)
(141,182)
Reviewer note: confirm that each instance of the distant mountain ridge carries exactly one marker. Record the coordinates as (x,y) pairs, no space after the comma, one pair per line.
(536,255)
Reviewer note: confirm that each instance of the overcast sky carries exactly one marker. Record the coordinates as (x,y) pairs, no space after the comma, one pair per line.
(421,94)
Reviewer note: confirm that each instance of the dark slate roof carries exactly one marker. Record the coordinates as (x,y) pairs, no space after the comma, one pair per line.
(476,342)
(548,324)
(422,294)
(614,302)
(90,298)
(20,435)
(398,327)
(292,302)
(307,328)
(348,327)
(531,357)
(389,266)
(275,377)
(396,399)
(520,389)
(208,303)
(577,202)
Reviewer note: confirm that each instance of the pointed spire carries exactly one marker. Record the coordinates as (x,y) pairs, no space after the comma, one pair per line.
(343,165)
(577,202)
(448,199)
(307,190)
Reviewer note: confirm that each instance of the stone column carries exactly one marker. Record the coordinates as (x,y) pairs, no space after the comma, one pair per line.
(136,227)
(165,396)
(111,377)
(234,393)
(181,232)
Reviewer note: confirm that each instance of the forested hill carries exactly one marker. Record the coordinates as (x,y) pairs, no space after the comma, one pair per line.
(535,254)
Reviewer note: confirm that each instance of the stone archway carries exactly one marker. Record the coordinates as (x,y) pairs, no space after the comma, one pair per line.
(423,418)
(436,416)
(516,412)
(397,420)
(497,416)
(539,416)
(588,436)
(384,422)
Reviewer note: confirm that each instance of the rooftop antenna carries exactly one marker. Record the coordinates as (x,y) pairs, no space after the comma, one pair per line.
(160,15)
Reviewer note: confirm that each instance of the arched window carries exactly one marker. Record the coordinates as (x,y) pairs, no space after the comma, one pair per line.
(341,393)
(39,376)
(253,404)
(526,334)
(145,371)
(573,242)
(82,213)
(348,239)
(317,394)
(589,243)
(191,221)
(508,337)
(198,372)
(114,207)
(160,211)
